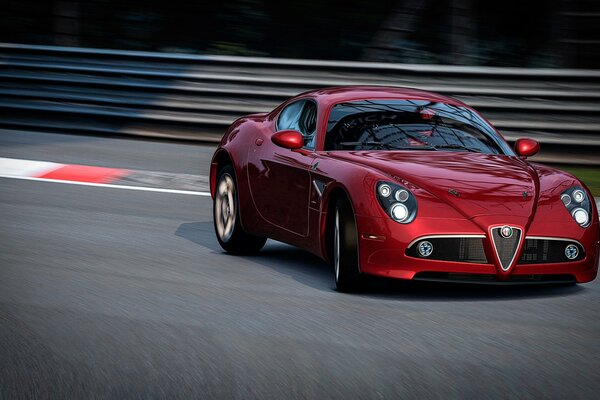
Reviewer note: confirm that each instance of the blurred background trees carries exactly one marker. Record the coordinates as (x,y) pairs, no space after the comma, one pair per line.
(551,33)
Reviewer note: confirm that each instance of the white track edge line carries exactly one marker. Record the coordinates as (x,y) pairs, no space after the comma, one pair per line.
(139,188)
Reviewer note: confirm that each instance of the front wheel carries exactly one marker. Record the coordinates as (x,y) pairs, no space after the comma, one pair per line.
(345,249)
(226,217)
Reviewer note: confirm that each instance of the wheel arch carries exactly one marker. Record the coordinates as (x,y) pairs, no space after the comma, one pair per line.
(330,199)
(219,160)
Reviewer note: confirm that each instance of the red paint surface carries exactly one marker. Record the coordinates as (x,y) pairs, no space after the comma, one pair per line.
(288,139)
(527,147)
(84,173)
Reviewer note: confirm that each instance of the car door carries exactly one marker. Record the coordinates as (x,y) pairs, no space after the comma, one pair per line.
(280,180)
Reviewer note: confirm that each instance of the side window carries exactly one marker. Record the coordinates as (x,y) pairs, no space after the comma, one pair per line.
(301,116)
(290,116)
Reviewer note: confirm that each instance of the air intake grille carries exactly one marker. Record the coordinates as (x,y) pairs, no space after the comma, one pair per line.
(545,251)
(459,249)
(506,247)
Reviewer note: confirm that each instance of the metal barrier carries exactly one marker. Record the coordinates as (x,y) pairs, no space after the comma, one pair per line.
(195,97)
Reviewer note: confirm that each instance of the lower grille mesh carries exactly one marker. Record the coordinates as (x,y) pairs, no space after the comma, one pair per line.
(460,249)
(471,249)
(544,251)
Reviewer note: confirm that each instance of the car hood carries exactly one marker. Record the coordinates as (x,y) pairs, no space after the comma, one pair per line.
(474,184)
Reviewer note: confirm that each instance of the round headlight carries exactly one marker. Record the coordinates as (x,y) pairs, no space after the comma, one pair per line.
(581,216)
(385,190)
(401,195)
(578,195)
(566,199)
(399,212)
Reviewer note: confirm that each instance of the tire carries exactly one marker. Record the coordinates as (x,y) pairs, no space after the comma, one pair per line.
(345,249)
(226,217)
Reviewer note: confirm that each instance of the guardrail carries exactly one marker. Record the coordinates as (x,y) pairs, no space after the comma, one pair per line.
(195,97)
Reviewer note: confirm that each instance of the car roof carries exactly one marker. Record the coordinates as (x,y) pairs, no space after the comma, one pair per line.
(334,95)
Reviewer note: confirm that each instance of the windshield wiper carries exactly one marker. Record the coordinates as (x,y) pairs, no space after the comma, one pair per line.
(457,147)
(387,145)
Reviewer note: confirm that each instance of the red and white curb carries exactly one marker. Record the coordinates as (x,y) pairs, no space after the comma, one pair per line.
(117,178)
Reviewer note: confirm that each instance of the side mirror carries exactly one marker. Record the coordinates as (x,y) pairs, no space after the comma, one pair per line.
(526,147)
(288,139)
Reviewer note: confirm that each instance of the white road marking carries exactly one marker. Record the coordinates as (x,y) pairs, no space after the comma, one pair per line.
(108,185)
(18,167)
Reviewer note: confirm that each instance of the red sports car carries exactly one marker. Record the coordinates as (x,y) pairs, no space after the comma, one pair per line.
(400,183)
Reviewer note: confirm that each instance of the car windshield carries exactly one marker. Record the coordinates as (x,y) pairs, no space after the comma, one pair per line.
(410,125)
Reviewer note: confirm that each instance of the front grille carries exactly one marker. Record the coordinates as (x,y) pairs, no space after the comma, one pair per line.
(459,249)
(544,251)
(506,248)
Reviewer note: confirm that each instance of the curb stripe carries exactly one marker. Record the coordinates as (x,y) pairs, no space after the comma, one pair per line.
(17,167)
(84,173)
(106,185)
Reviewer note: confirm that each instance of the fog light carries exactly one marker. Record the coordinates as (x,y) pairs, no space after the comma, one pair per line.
(571,251)
(425,248)
(578,195)
(581,216)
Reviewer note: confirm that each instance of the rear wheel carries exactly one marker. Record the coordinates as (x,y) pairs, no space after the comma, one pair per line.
(226,217)
(345,249)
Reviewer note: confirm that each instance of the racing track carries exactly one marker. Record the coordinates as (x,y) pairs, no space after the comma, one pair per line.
(120,293)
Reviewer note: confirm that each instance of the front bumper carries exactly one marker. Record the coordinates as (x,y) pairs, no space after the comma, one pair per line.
(383,247)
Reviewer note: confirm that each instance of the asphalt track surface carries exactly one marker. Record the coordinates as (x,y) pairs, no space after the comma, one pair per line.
(110,293)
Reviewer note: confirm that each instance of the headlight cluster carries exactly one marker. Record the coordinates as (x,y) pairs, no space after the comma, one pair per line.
(578,203)
(398,202)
